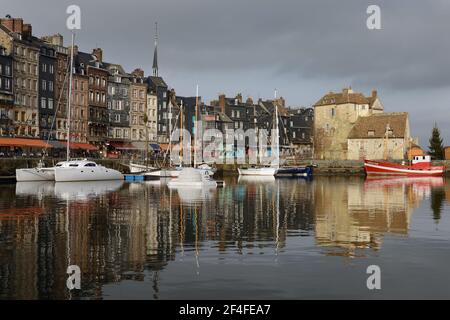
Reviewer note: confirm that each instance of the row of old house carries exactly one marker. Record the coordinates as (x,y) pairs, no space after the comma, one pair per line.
(113,109)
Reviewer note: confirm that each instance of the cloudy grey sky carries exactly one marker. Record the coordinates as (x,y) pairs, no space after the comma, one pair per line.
(304,48)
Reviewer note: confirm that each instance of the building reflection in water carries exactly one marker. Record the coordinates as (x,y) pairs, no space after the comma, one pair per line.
(132,231)
(353,213)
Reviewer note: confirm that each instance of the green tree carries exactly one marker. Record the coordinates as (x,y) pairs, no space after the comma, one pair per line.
(436,147)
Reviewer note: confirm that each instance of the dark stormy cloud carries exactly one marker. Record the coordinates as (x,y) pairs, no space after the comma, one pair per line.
(302,48)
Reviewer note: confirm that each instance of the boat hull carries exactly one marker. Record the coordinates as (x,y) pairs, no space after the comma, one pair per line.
(86,174)
(139,168)
(257,171)
(35,174)
(294,171)
(375,168)
(173,173)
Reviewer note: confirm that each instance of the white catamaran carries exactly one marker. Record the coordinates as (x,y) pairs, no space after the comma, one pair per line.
(69,170)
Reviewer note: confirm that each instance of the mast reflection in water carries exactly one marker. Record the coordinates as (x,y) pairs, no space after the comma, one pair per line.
(254,238)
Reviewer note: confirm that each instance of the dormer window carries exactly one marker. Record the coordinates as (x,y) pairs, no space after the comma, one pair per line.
(371,133)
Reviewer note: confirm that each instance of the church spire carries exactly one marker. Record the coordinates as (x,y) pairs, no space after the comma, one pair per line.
(155,54)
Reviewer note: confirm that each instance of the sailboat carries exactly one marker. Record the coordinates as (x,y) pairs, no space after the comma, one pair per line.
(69,170)
(80,170)
(174,172)
(40,172)
(273,169)
(194,176)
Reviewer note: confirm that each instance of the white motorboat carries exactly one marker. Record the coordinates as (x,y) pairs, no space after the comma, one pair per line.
(192,178)
(84,170)
(258,171)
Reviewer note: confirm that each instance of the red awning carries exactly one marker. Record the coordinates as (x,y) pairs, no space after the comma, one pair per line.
(123,146)
(82,146)
(164,146)
(22,142)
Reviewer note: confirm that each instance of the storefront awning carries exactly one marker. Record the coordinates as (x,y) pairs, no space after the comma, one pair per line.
(82,146)
(164,146)
(57,144)
(123,146)
(22,142)
(155,146)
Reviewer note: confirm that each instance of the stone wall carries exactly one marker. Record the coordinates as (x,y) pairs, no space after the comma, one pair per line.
(331,129)
(359,149)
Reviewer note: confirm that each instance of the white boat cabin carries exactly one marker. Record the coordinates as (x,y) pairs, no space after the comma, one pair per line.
(421,159)
(77,163)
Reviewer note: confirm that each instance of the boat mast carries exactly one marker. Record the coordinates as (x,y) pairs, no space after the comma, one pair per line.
(70,97)
(170,131)
(196,128)
(277,136)
(386,141)
(181,132)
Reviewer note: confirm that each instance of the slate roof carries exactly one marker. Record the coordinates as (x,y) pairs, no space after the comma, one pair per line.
(377,124)
(269,107)
(156,81)
(346,96)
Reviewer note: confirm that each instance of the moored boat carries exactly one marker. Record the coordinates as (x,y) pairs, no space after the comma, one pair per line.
(84,170)
(420,166)
(192,178)
(258,171)
(295,171)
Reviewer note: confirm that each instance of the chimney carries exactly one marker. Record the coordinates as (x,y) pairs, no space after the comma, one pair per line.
(56,39)
(345,93)
(13,24)
(239,98)
(138,73)
(27,31)
(75,50)
(222,103)
(98,53)
(249,101)
(374,94)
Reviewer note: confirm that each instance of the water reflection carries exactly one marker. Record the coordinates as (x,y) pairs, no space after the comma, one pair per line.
(119,231)
(82,190)
(352,214)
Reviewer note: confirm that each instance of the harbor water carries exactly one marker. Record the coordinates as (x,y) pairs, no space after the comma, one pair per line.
(255,238)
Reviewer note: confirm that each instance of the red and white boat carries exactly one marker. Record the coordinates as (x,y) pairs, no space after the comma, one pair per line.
(420,166)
